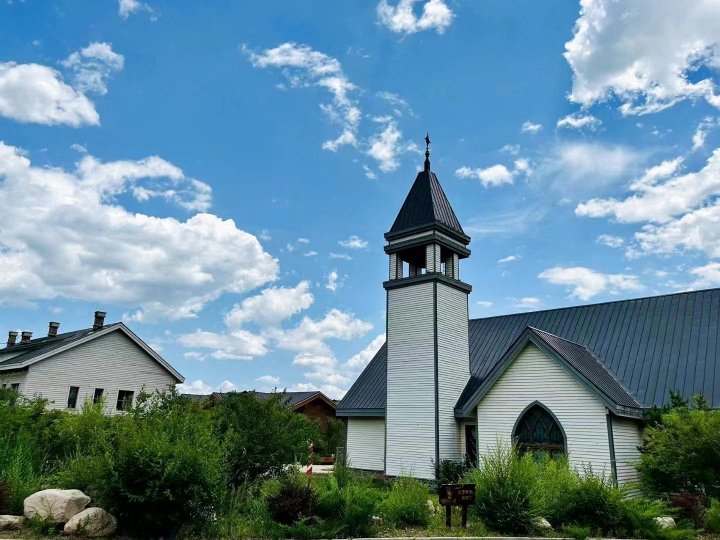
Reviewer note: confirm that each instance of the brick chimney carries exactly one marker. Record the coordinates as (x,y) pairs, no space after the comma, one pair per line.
(99,321)
(26,336)
(53,328)
(12,338)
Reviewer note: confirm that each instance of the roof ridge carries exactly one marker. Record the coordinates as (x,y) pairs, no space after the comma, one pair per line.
(679,293)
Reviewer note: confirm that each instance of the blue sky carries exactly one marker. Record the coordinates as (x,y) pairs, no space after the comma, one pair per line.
(220,176)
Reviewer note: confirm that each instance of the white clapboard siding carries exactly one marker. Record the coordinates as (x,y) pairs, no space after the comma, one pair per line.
(628,436)
(112,362)
(366,443)
(453,365)
(410,410)
(534,376)
(8,379)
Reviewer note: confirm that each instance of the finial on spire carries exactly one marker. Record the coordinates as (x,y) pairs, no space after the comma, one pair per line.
(427,152)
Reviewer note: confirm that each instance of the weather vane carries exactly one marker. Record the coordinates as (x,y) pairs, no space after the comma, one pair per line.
(427,151)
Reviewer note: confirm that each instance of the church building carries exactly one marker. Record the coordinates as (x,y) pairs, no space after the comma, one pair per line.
(575,380)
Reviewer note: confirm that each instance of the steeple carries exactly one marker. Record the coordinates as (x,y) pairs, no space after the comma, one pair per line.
(427,151)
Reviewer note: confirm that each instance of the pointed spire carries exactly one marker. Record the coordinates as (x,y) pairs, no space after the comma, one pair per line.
(427,151)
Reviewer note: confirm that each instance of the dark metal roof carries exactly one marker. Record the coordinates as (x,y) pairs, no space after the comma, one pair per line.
(426,204)
(651,345)
(40,346)
(290,399)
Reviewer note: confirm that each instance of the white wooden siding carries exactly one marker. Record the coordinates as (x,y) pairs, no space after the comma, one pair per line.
(410,410)
(8,379)
(112,362)
(366,443)
(628,436)
(453,365)
(534,376)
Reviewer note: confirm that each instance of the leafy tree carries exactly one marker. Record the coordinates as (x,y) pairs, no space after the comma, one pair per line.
(261,435)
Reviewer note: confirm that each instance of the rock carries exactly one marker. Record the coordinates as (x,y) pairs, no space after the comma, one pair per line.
(91,522)
(376,520)
(665,522)
(542,524)
(57,505)
(430,506)
(11,523)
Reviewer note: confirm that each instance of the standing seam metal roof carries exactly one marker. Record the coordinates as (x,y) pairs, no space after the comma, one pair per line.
(650,345)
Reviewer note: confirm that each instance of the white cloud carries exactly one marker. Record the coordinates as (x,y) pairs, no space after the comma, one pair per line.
(369,173)
(129,7)
(310,253)
(110,255)
(660,193)
(495,175)
(333,281)
(354,242)
(386,145)
(509,259)
(645,53)
(310,335)
(271,306)
(34,93)
(235,345)
(484,303)
(268,379)
(579,121)
(610,240)
(305,67)
(707,275)
(701,132)
(314,360)
(530,127)
(197,386)
(343,256)
(527,302)
(362,359)
(401,17)
(303,240)
(584,283)
(92,67)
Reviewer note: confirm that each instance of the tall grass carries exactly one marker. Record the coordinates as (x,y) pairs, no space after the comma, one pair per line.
(406,505)
(19,471)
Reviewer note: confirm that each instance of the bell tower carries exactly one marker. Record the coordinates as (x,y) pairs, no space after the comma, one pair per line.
(427,330)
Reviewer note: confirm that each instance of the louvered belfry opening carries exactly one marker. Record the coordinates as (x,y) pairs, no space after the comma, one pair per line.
(537,430)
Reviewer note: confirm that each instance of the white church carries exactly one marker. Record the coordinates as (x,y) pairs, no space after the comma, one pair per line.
(574,380)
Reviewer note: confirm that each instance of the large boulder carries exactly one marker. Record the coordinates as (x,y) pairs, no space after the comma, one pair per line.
(91,522)
(665,522)
(11,523)
(542,524)
(57,505)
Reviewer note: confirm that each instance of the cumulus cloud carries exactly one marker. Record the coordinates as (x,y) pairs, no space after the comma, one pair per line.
(33,93)
(527,303)
(610,240)
(199,386)
(268,380)
(333,281)
(579,121)
(271,306)
(403,19)
(310,335)
(130,7)
(354,242)
(496,175)
(306,67)
(362,359)
(108,254)
(92,66)
(701,132)
(649,54)
(585,283)
(707,275)
(530,127)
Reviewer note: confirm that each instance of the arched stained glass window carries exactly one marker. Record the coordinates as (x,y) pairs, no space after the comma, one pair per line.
(537,430)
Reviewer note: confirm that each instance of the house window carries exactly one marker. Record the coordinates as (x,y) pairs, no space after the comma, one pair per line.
(537,430)
(98,394)
(72,397)
(471,457)
(15,387)
(124,400)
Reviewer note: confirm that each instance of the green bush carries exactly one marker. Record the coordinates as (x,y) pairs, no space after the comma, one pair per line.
(293,502)
(261,436)
(639,520)
(19,471)
(504,485)
(358,507)
(713,517)
(682,453)
(406,504)
(451,471)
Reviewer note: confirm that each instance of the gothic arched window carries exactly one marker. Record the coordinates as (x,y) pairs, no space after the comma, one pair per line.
(537,430)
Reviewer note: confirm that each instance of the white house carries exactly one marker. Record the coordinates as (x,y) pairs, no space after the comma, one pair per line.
(576,380)
(103,361)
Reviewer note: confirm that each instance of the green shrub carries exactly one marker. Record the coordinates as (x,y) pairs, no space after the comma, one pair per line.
(358,507)
(19,471)
(713,517)
(639,516)
(682,453)
(451,471)
(595,502)
(504,485)
(261,436)
(293,502)
(406,504)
